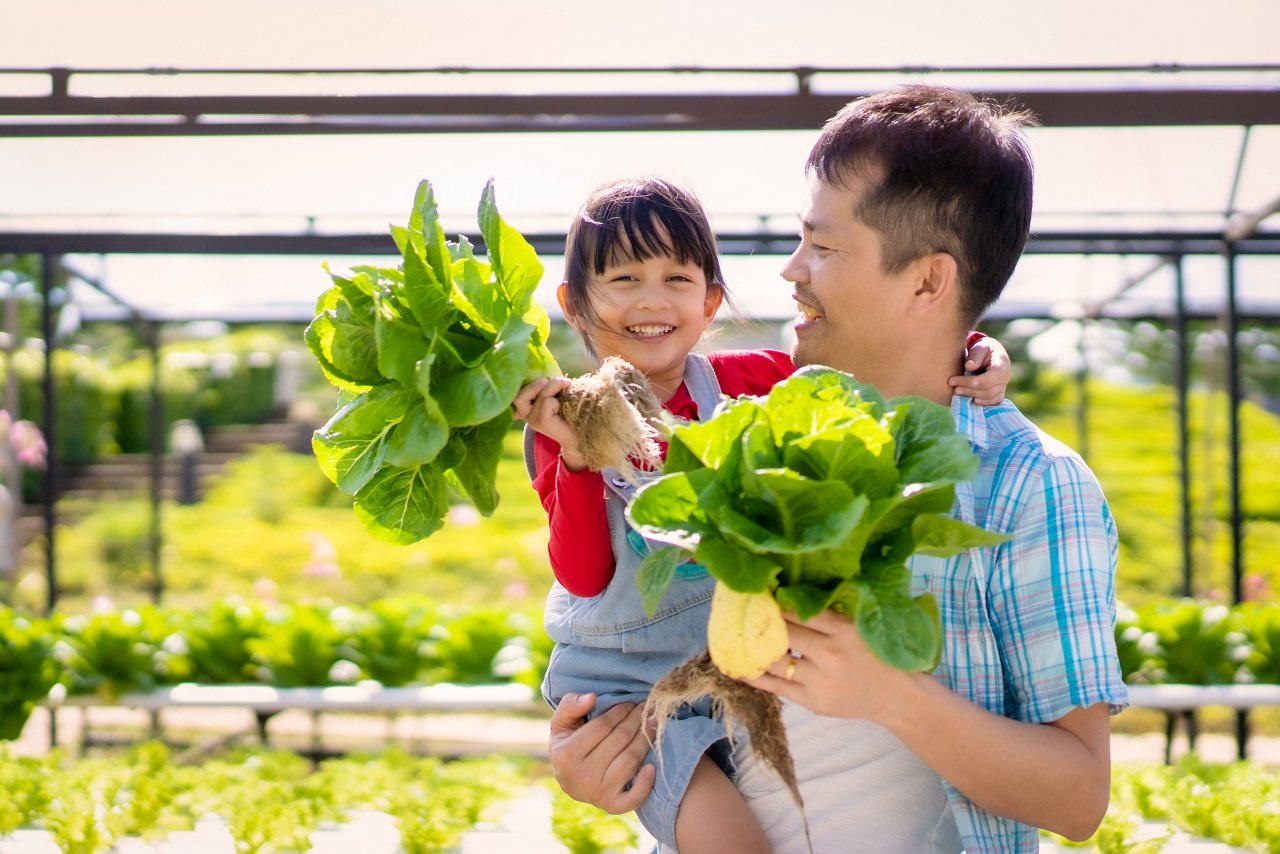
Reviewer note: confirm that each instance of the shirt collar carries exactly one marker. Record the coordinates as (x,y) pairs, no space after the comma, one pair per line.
(971,421)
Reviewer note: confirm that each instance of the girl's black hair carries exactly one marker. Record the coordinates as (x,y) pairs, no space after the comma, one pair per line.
(636,219)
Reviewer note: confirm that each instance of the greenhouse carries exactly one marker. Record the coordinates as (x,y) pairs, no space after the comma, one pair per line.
(201,637)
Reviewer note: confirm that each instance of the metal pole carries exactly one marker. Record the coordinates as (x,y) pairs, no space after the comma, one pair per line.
(157,460)
(52,472)
(1082,392)
(1233,435)
(1182,379)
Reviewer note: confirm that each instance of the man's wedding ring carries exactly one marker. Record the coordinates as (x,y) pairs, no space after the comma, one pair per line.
(790,674)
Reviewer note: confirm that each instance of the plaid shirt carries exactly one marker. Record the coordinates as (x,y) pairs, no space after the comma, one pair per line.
(1029,625)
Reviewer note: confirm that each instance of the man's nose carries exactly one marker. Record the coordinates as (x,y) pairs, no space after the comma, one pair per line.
(793,270)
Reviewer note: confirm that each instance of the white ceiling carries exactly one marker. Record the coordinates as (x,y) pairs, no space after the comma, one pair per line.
(1110,178)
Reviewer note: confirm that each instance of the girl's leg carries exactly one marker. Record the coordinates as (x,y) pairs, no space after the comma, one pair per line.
(714,819)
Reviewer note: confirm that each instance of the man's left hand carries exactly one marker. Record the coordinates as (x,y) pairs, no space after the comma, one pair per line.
(835,673)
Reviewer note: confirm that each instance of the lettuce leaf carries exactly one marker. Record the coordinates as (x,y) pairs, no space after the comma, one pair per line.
(818,493)
(429,356)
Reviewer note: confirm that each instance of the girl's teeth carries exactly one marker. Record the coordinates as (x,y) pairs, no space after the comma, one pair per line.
(648,331)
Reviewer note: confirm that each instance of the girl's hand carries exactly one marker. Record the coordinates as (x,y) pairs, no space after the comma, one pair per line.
(989,373)
(538,405)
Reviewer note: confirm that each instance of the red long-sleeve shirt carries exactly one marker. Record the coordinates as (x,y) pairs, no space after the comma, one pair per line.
(581,555)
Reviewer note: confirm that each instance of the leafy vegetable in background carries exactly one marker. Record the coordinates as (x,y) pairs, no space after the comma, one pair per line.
(26,660)
(429,356)
(812,497)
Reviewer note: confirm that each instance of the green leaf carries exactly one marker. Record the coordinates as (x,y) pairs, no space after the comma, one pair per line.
(655,574)
(816,399)
(671,508)
(712,442)
(426,236)
(403,505)
(478,296)
(805,600)
(477,472)
(942,536)
(914,500)
(735,567)
(927,445)
(419,436)
(428,296)
(479,394)
(795,514)
(370,413)
(855,453)
(514,261)
(902,632)
(352,446)
(342,338)
(947,458)
(350,461)
(400,347)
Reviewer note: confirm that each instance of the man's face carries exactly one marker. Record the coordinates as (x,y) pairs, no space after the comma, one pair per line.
(850,310)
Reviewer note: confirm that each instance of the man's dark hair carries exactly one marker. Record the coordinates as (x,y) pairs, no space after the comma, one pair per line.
(951,174)
(636,219)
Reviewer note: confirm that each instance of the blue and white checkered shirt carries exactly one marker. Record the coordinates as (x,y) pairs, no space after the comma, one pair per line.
(1028,626)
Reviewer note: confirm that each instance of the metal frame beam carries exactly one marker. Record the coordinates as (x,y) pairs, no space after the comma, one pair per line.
(552,243)
(1239,95)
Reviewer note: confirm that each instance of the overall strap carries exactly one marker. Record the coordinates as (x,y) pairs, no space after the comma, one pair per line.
(703,385)
(529,434)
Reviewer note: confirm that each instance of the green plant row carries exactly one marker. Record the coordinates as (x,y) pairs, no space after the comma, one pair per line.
(104,404)
(1194,642)
(268,800)
(1237,804)
(393,641)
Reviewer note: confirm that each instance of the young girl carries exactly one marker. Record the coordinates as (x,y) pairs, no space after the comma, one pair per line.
(643,281)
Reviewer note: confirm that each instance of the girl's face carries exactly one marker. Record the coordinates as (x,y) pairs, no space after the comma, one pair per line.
(651,313)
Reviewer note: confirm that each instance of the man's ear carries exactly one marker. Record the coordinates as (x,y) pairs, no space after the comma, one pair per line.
(562,296)
(937,283)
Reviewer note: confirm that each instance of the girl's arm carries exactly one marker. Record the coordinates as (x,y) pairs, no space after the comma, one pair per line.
(987,371)
(573,496)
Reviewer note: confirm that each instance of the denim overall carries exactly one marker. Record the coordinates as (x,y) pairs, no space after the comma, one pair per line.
(606,644)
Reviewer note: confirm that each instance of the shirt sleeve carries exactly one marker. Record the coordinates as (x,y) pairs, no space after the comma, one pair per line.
(750,371)
(1053,598)
(579,549)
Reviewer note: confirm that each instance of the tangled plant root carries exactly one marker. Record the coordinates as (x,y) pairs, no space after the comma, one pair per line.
(616,416)
(739,705)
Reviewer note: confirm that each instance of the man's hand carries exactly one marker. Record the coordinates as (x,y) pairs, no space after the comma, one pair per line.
(594,760)
(835,674)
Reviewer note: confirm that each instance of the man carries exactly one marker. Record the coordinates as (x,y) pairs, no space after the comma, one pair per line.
(919,208)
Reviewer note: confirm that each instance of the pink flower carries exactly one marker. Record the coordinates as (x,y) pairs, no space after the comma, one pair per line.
(28,444)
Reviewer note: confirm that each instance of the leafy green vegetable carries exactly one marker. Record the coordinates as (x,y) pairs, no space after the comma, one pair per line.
(26,659)
(818,493)
(429,356)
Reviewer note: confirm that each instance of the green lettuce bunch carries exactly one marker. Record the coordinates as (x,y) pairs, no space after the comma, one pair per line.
(815,496)
(429,356)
